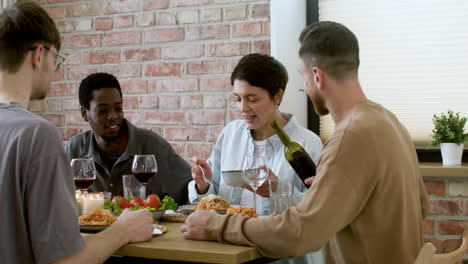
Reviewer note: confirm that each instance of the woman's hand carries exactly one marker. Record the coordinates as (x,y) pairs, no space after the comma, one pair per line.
(264,189)
(197,174)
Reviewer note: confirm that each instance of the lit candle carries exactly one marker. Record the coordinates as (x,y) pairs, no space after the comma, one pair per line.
(92,201)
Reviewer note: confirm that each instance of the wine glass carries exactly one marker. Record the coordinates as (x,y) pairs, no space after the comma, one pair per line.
(84,173)
(144,167)
(255,172)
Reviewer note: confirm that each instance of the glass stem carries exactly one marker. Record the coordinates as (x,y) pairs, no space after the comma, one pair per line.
(143,192)
(255,200)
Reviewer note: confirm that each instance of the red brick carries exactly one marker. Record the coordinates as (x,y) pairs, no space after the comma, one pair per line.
(214,133)
(165,19)
(452,227)
(444,245)
(123,70)
(121,38)
(234,115)
(130,103)
(148,102)
(102,57)
(261,11)
(190,101)
(206,118)
(83,10)
(82,41)
(70,132)
(83,25)
(163,35)
(206,66)
(164,118)
(134,86)
(228,49)
(202,151)
(235,13)
(142,54)
(156,130)
(177,85)
(145,20)
(133,117)
(207,32)
(182,3)
(183,52)
(72,58)
(185,134)
(58,75)
(250,29)
(266,28)
(121,6)
(71,104)
(36,106)
(155,4)
(445,207)
(123,21)
(215,84)
(103,23)
(187,17)
(65,26)
(213,101)
(210,15)
(169,102)
(56,12)
(435,188)
(61,89)
(80,72)
(53,105)
(262,46)
(74,119)
(162,69)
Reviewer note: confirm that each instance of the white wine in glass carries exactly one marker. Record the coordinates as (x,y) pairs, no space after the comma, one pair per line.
(255,172)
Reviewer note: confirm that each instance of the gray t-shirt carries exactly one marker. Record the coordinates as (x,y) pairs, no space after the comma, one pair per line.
(38,213)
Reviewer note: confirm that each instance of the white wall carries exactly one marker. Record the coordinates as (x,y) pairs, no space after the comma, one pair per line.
(288,19)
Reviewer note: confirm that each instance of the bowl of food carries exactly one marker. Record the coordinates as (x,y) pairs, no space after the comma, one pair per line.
(233,178)
(157,214)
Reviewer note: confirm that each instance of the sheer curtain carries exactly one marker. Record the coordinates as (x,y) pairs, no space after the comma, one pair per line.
(414,57)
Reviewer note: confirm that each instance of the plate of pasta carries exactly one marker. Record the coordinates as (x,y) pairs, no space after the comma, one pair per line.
(210,202)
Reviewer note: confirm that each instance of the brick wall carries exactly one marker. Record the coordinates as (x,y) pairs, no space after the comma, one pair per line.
(172,57)
(448,214)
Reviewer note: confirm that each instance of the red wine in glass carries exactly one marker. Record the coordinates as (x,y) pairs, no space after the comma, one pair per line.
(83,183)
(144,176)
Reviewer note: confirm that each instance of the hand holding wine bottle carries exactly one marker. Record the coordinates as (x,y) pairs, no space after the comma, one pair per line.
(295,154)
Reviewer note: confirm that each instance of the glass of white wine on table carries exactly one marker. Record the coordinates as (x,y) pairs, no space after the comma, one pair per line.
(144,168)
(255,172)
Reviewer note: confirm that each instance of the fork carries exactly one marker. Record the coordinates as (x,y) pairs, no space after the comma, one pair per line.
(206,180)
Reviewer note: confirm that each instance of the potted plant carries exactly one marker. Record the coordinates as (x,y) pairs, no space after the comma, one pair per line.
(449,133)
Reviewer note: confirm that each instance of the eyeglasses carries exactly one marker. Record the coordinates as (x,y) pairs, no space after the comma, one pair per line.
(58,60)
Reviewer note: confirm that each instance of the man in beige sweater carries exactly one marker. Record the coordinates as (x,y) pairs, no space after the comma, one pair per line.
(367,202)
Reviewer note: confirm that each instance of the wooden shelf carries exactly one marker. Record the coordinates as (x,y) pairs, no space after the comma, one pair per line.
(437,170)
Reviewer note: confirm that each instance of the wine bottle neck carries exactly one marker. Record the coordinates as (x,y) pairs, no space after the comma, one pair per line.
(280,132)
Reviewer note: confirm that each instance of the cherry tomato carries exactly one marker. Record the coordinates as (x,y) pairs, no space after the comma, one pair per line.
(137,200)
(123,202)
(153,201)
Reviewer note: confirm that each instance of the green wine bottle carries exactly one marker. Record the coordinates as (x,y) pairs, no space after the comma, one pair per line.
(295,154)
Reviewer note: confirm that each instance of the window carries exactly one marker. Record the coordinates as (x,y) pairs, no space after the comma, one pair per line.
(414,56)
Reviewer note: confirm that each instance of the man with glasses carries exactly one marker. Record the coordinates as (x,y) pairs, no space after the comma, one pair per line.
(38,214)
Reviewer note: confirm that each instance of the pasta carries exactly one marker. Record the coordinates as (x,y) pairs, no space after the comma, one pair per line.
(246,211)
(213,202)
(98,217)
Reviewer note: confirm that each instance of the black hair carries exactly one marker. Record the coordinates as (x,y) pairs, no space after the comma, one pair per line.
(93,82)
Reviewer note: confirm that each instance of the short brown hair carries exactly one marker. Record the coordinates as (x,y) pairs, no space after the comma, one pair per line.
(23,25)
(332,47)
(261,70)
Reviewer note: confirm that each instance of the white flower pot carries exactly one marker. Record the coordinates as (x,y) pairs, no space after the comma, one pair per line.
(451,153)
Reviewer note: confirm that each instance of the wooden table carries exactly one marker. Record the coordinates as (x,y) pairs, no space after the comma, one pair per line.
(173,246)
